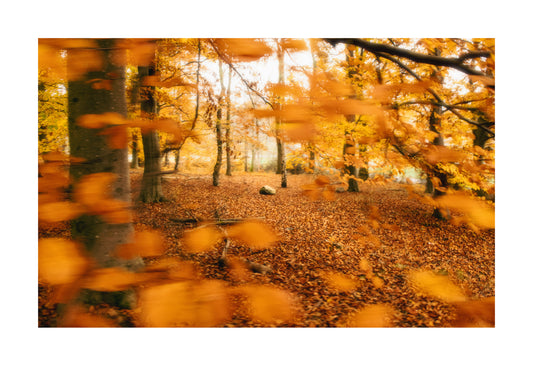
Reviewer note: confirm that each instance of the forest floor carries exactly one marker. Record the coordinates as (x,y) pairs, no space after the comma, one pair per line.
(374,238)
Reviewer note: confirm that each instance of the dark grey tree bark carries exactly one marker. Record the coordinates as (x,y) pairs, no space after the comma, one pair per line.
(99,237)
(348,150)
(151,188)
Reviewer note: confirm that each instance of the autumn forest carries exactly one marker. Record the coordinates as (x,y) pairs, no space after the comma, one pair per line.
(275,182)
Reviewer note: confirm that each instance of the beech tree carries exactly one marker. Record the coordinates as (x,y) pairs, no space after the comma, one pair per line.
(100,235)
(151,188)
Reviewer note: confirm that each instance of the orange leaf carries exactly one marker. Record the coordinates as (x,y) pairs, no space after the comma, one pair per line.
(196,304)
(77,316)
(340,282)
(243,49)
(322,180)
(201,239)
(253,233)
(475,313)
(269,304)
(60,261)
(114,279)
(364,265)
(377,282)
(59,211)
(117,137)
(438,286)
(293,44)
(373,316)
(93,188)
(100,120)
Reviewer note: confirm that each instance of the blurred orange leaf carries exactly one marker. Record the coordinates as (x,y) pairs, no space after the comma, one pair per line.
(253,233)
(372,316)
(77,316)
(438,286)
(93,188)
(100,120)
(60,261)
(269,304)
(190,304)
(340,282)
(59,211)
(114,279)
(201,239)
(243,49)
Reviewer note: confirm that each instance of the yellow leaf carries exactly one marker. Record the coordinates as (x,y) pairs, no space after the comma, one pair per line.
(372,316)
(60,261)
(201,239)
(438,286)
(253,233)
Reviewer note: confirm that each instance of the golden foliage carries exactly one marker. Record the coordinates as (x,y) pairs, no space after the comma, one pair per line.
(60,261)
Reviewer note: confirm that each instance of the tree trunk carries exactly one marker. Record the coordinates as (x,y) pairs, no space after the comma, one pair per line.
(218,128)
(228,126)
(218,162)
(151,188)
(134,151)
(100,238)
(282,164)
(349,168)
(348,150)
(177,159)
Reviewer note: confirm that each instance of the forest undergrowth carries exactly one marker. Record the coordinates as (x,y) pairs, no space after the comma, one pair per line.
(346,259)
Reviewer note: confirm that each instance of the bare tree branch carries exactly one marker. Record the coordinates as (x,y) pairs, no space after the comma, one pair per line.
(455,63)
